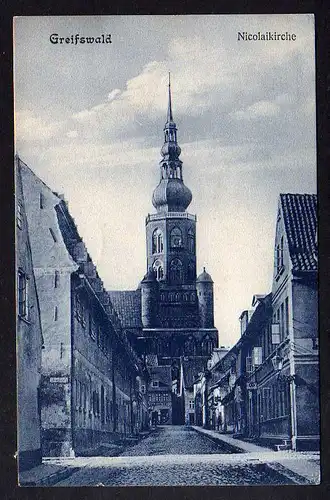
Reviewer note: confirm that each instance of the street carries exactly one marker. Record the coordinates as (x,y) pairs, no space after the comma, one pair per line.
(177,455)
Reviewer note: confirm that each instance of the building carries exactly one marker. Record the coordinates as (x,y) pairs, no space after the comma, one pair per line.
(267,385)
(91,378)
(173,310)
(160,393)
(293,348)
(29,341)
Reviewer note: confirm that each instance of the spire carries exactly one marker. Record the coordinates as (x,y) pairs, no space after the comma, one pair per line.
(169,108)
(171,195)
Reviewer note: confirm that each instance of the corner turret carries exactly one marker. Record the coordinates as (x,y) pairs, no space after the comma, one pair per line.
(204,287)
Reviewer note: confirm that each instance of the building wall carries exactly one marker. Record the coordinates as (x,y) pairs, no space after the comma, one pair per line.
(28,345)
(53,266)
(306,363)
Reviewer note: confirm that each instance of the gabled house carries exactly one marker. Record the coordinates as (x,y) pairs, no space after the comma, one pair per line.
(29,340)
(91,378)
(295,321)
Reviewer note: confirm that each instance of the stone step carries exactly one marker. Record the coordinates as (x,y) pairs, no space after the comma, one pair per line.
(282,447)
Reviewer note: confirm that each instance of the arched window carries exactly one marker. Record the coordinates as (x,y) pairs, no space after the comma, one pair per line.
(157,241)
(176,238)
(191,271)
(176,271)
(190,347)
(191,240)
(159,270)
(207,345)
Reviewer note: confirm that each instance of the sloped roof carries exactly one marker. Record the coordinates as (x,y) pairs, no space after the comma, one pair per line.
(300,220)
(152,360)
(191,368)
(163,375)
(127,304)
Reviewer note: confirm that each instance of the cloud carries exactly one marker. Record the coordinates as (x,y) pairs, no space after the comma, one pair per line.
(31,127)
(72,134)
(223,94)
(261,109)
(113,94)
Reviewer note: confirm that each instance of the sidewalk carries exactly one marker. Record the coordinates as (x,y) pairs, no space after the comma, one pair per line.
(46,474)
(299,466)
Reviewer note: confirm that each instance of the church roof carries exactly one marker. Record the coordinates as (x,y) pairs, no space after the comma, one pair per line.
(300,220)
(127,305)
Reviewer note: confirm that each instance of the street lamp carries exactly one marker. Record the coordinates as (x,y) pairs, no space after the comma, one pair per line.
(277,361)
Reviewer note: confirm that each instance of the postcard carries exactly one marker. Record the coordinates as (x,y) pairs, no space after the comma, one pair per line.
(166,250)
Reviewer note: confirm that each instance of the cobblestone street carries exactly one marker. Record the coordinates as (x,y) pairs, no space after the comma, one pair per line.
(178,456)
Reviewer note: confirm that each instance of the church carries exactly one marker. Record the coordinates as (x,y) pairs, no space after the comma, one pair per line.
(170,317)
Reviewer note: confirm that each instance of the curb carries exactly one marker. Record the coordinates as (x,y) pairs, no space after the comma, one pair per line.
(52,479)
(288,473)
(217,439)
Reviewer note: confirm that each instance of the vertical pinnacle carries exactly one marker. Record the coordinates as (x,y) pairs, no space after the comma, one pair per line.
(169,109)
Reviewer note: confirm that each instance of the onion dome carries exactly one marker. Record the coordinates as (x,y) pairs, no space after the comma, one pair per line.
(171,150)
(171,195)
(204,277)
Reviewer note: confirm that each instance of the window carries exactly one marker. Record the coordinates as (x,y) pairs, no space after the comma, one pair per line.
(176,271)
(41,200)
(248,364)
(257,356)
(55,313)
(191,404)
(157,241)
(92,327)
(190,347)
(176,238)
(143,389)
(19,217)
(282,320)
(155,383)
(22,286)
(56,279)
(286,317)
(279,255)
(275,334)
(158,269)
(80,311)
(53,235)
(191,241)
(207,345)
(191,271)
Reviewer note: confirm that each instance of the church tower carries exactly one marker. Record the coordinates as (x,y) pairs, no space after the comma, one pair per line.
(177,309)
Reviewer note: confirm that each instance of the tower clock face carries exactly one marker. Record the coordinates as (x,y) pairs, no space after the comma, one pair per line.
(177,241)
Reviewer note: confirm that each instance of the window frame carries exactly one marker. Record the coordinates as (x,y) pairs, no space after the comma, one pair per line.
(22,294)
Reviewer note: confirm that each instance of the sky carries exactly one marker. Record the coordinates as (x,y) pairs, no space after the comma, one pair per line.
(89,121)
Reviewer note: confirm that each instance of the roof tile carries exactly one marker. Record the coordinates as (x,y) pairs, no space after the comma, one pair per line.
(300,219)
